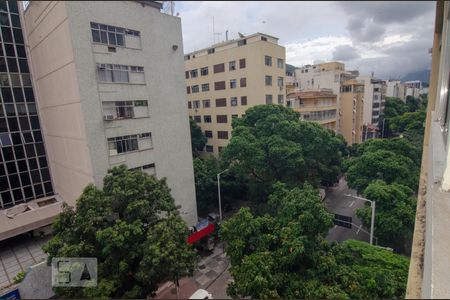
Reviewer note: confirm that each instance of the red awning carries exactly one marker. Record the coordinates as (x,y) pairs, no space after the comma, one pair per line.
(196,236)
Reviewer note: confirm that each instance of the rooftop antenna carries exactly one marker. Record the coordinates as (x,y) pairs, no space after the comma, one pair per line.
(169,7)
(215,33)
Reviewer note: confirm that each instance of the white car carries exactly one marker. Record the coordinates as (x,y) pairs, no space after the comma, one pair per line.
(201,294)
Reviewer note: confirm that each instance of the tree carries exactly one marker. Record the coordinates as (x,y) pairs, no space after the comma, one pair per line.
(395,214)
(394,107)
(283,254)
(198,138)
(399,146)
(381,164)
(271,144)
(133,229)
(413,104)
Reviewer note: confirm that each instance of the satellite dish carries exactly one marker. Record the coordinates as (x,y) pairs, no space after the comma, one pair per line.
(241,35)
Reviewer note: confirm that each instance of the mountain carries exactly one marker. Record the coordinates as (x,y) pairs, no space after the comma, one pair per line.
(423,75)
(290,68)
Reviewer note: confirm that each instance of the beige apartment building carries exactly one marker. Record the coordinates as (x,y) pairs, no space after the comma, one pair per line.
(110,87)
(317,105)
(224,80)
(352,111)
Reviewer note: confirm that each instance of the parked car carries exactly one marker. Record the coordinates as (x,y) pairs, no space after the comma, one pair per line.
(201,294)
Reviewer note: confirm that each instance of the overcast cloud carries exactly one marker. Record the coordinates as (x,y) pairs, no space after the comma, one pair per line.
(388,38)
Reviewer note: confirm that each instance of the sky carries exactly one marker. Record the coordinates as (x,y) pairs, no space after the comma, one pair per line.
(388,38)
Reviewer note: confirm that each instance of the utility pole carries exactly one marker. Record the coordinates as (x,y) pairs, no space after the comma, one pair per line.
(218,193)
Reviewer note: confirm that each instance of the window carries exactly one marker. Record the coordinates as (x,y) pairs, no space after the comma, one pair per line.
(205,87)
(243,82)
(207,119)
(196,104)
(219,85)
(208,133)
(194,73)
(263,38)
(189,104)
(242,42)
(268,60)
(211,50)
(280,63)
(149,169)
(220,149)
(280,99)
(242,63)
(198,119)
(223,135)
(234,101)
(234,116)
(209,148)
(141,103)
(195,89)
(136,69)
(222,102)
(146,135)
(204,71)
(188,90)
(5,140)
(244,100)
(124,109)
(280,81)
(219,68)
(206,103)
(232,65)
(123,144)
(268,80)
(110,35)
(186,74)
(268,99)
(112,73)
(233,84)
(222,119)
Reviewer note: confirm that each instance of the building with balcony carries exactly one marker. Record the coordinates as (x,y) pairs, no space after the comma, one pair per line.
(315,105)
(109,81)
(429,269)
(327,75)
(352,111)
(224,80)
(27,197)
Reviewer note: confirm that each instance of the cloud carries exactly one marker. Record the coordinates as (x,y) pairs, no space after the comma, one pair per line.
(345,53)
(365,30)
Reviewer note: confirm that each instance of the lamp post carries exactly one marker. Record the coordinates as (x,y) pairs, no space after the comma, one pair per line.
(372,221)
(218,193)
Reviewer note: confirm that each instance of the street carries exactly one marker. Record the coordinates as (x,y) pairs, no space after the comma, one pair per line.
(336,202)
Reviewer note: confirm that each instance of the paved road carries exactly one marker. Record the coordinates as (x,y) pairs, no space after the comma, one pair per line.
(337,202)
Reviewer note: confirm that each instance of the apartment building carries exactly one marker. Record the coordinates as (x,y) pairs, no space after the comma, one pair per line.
(429,268)
(352,111)
(27,197)
(374,102)
(224,80)
(328,75)
(393,88)
(318,106)
(109,81)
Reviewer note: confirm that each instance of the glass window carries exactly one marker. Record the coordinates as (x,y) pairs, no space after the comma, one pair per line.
(206,103)
(233,84)
(4,20)
(123,144)
(209,148)
(268,60)
(205,87)
(244,100)
(269,99)
(232,65)
(234,101)
(280,63)
(268,80)
(204,71)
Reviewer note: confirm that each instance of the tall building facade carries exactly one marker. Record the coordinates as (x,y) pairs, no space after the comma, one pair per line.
(109,79)
(226,79)
(317,106)
(27,199)
(351,112)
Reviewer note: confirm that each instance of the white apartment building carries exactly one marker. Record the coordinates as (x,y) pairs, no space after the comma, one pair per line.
(326,75)
(393,88)
(111,91)
(374,101)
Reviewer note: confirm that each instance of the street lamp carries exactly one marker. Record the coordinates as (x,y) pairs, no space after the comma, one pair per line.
(218,192)
(372,204)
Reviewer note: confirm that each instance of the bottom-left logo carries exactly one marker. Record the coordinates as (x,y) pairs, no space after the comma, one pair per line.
(74,271)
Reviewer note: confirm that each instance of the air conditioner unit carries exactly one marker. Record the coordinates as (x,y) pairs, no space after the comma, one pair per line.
(108,117)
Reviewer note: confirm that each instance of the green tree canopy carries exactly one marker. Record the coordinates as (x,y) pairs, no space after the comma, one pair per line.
(271,144)
(198,138)
(283,254)
(394,107)
(133,229)
(381,164)
(395,214)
